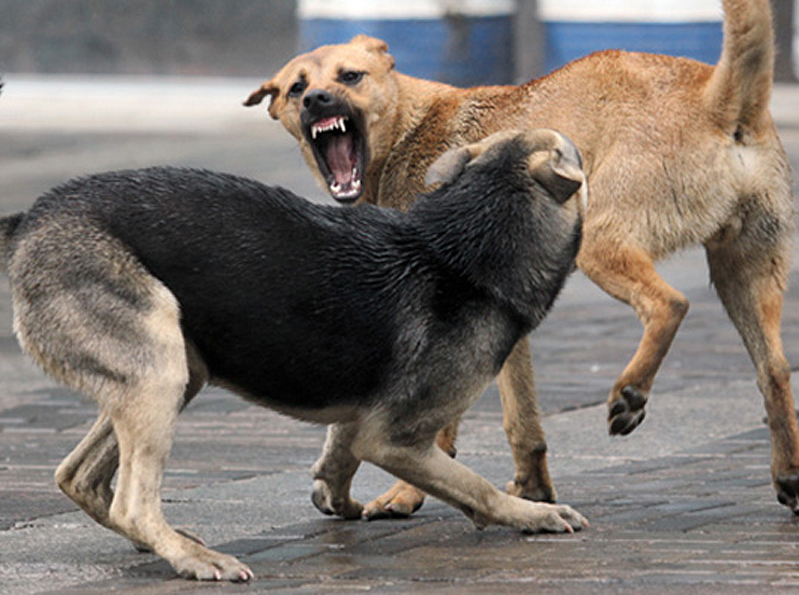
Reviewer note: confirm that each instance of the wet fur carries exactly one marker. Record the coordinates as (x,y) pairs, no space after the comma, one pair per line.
(139,287)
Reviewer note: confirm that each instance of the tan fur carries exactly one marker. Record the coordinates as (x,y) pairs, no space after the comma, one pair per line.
(677,153)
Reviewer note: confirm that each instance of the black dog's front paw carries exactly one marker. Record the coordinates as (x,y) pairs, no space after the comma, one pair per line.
(327,503)
(788,491)
(628,412)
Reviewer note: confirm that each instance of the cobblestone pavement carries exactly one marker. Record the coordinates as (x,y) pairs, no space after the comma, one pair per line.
(684,504)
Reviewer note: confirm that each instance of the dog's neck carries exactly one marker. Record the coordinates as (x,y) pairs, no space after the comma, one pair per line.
(423,117)
(414,100)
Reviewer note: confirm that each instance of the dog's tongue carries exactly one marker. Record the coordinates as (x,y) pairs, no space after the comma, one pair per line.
(339,158)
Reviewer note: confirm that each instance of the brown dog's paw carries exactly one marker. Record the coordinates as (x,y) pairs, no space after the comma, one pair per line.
(530,491)
(400,501)
(627,412)
(787,487)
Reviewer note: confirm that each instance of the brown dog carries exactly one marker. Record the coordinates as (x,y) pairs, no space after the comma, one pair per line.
(677,153)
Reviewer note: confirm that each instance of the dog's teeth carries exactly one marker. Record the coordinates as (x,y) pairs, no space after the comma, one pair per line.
(314,130)
(341,125)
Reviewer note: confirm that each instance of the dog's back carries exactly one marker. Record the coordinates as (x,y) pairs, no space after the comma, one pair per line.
(248,264)
(278,296)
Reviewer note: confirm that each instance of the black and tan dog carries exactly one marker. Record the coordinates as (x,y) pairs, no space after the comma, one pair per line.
(139,287)
(677,153)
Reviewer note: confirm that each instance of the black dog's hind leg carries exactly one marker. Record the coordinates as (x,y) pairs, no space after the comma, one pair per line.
(85,475)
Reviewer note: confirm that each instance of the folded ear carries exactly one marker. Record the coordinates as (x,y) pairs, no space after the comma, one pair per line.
(448,166)
(257,96)
(559,169)
(373,44)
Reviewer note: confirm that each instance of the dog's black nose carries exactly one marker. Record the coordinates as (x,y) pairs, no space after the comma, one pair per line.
(316,98)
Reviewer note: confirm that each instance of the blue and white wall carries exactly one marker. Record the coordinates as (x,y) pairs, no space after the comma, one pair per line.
(463,42)
(574,28)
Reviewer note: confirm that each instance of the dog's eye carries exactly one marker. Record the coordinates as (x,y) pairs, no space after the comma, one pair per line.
(297,88)
(350,77)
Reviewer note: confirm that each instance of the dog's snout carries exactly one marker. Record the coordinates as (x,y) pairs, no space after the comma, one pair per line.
(316,98)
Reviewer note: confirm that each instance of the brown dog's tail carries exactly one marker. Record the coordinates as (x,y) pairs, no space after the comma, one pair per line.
(8,226)
(739,90)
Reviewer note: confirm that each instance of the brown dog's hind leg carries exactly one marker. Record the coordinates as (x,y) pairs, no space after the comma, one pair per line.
(522,423)
(403,499)
(750,284)
(628,274)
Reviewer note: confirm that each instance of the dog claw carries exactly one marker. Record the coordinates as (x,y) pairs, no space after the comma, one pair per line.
(628,412)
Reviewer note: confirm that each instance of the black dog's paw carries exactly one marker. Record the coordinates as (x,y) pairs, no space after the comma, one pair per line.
(320,502)
(327,503)
(627,413)
(788,491)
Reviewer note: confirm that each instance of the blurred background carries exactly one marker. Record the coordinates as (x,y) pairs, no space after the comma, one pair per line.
(464,42)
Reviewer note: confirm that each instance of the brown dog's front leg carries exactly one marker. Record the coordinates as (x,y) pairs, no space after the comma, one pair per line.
(629,275)
(523,427)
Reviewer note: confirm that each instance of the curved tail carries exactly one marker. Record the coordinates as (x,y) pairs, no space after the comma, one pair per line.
(739,90)
(8,226)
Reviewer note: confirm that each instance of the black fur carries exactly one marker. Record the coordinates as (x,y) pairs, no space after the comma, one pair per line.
(308,305)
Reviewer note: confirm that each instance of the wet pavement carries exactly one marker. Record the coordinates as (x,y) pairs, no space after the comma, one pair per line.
(684,504)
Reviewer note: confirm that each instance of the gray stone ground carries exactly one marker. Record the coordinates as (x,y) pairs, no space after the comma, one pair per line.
(684,504)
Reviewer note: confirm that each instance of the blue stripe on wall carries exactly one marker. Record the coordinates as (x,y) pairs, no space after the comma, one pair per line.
(566,41)
(463,51)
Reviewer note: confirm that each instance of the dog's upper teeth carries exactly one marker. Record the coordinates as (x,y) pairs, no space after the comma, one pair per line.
(327,125)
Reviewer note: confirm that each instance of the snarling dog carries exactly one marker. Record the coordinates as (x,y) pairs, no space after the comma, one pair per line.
(139,287)
(677,153)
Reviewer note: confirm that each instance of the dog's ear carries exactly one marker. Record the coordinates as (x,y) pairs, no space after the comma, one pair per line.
(378,46)
(559,169)
(257,96)
(449,166)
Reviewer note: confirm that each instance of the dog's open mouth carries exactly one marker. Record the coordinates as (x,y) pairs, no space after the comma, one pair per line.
(339,150)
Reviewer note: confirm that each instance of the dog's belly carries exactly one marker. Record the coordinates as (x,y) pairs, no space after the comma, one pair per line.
(293,363)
